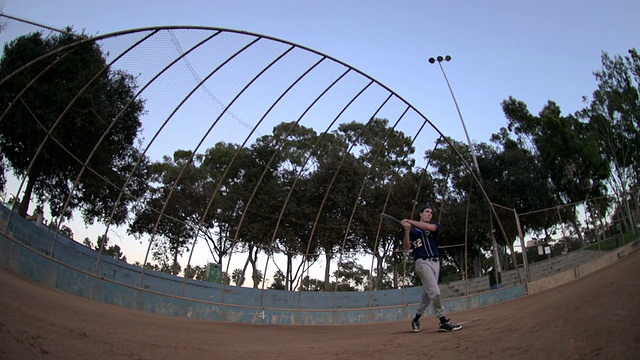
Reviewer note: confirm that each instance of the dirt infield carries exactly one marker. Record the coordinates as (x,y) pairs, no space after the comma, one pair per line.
(597,317)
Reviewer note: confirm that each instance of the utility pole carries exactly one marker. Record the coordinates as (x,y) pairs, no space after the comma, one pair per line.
(447,58)
(464,127)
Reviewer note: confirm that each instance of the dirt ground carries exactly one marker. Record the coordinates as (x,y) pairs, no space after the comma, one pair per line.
(597,317)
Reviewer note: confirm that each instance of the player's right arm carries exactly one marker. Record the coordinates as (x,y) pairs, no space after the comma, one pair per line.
(422,225)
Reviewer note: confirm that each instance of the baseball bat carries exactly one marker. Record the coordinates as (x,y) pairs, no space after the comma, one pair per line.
(391,218)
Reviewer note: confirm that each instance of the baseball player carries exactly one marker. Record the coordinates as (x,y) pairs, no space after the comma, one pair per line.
(423,237)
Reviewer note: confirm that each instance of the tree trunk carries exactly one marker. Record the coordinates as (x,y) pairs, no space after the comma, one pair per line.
(515,261)
(288,277)
(629,219)
(327,272)
(574,222)
(253,259)
(379,271)
(395,275)
(26,199)
(477,266)
(244,268)
(175,267)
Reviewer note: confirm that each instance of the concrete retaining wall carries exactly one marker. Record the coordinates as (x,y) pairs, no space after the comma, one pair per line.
(25,249)
(580,270)
(22,260)
(539,270)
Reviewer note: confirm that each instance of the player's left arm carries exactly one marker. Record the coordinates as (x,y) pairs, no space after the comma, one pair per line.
(406,240)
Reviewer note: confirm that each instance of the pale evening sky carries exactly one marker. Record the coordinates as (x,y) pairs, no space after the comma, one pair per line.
(533,50)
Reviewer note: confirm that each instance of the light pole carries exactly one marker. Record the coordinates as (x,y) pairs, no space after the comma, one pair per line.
(464,127)
(447,58)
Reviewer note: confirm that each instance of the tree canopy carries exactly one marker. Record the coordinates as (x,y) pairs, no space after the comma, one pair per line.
(66,117)
(68,125)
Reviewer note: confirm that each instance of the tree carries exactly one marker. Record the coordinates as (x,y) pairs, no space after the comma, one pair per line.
(331,193)
(69,121)
(173,209)
(221,175)
(284,161)
(384,158)
(256,198)
(613,115)
(352,276)
(397,273)
(64,230)
(309,284)
(460,206)
(196,272)
(566,150)
(113,251)
(278,281)
(513,178)
(238,277)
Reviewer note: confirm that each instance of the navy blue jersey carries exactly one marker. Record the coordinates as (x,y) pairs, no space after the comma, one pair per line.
(424,243)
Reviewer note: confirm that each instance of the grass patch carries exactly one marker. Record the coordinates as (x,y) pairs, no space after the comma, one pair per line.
(613,242)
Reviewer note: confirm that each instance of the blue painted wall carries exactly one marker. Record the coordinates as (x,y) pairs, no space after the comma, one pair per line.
(26,248)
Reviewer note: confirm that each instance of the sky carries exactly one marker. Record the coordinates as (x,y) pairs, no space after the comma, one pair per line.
(535,51)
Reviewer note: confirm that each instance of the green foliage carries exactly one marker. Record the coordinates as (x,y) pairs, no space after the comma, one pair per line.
(113,251)
(82,112)
(196,272)
(613,117)
(309,284)
(302,194)
(564,148)
(237,276)
(164,268)
(278,281)
(64,229)
(352,276)
(613,242)
(397,273)
(449,273)
(614,111)
(513,177)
